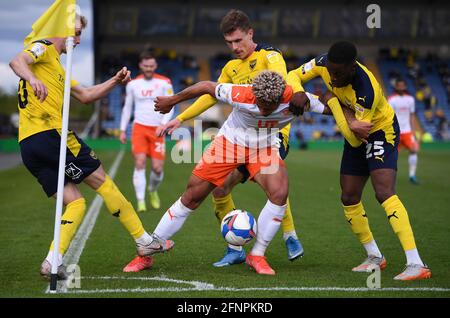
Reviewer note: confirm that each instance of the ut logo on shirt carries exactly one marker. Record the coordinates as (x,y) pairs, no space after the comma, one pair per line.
(146,92)
(267,123)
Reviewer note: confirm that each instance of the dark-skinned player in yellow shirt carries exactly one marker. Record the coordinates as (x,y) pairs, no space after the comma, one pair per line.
(352,86)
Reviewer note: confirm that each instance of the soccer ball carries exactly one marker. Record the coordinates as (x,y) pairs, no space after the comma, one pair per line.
(238,227)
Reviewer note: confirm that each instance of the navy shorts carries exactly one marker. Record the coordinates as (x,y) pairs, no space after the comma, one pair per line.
(283,150)
(381,152)
(40,154)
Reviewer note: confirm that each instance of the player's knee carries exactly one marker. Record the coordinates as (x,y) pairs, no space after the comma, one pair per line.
(383,195)
(279,196)
(350,198)
(191,198)
(190,201)
(139,164)
(158,169)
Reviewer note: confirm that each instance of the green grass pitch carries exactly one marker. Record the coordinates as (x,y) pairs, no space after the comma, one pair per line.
(331,250)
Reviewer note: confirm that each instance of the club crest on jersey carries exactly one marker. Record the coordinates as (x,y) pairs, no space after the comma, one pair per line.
(72,171)
(252,64)
(273,57)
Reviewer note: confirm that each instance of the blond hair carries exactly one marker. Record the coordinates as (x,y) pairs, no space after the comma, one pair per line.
(268,87)
(82,20)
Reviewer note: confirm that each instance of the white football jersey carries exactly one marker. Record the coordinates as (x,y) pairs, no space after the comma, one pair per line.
(245,125)
(142,93)
(404,106)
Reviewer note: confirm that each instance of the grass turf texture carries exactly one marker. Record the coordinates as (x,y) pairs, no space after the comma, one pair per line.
(331,250)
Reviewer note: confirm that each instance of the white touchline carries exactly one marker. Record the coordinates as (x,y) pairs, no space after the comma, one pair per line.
(204,286)
(76,247)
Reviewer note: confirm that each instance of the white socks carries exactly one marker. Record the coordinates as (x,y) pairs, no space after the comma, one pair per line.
(144,239)
(172,220)
(412,161)
(155,180)
(412,257)
(269,222)
(372,249)
(139,183)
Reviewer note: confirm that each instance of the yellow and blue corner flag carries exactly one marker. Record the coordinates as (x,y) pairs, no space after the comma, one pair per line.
(57,21)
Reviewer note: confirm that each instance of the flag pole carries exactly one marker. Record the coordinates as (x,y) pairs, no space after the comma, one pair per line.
(62,165)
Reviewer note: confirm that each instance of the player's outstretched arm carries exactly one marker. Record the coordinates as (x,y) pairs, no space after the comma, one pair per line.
(19,64)
(164,104)
(202,104)
(87,95)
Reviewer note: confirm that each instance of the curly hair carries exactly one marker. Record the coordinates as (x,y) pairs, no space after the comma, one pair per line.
(268,87)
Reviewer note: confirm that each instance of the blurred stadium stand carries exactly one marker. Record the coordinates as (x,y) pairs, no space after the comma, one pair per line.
(186,39)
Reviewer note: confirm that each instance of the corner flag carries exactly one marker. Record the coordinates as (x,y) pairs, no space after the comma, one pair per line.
(57,21)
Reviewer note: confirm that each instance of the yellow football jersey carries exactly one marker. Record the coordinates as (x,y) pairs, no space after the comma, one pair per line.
(264,58)
(34,115)
(363,95)
(239,71)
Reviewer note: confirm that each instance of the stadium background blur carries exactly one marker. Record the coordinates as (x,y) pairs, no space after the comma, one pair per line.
(412,43)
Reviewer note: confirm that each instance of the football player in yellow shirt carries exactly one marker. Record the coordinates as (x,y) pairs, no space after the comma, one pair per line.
(355,88)
(251,59)
(41,90)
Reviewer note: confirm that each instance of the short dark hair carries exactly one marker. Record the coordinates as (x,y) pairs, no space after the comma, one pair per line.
(233,20)
(342,52)
(146,55)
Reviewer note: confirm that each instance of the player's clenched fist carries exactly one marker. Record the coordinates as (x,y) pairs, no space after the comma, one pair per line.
(164,104)
(123,76)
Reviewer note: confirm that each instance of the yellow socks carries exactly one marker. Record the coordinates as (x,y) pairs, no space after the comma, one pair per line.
(222,206)
(357,218)
(120,207)
(287,225)
(398,217)
(70,221)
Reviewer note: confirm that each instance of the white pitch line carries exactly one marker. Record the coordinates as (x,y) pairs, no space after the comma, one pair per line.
(203,286)
(76,247)
(269,289)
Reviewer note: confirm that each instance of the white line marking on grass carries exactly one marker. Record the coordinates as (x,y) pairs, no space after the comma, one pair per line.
(204,286)
(76,247)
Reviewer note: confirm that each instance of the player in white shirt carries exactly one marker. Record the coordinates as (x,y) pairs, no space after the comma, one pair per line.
(141,92)
(247,137)
(404,106)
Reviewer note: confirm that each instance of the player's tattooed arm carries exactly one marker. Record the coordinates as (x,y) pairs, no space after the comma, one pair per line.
(164,104)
